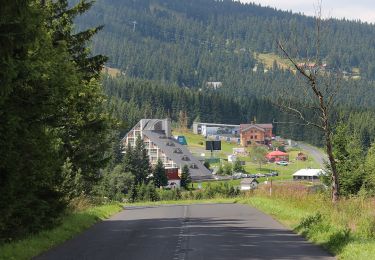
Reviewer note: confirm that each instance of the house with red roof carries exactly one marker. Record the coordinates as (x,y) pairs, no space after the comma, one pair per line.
(174,180)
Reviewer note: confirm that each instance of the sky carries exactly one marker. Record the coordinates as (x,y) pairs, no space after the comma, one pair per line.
(363,10)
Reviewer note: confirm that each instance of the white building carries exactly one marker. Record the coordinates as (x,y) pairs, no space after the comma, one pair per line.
(214,84)
(249,184)
(308,174)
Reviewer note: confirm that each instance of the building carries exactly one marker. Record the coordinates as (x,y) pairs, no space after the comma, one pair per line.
(206,129)
(307,174)
(249,184)
(160,144)
(301,156)
(276,156)
(174,180)
(214,84)
(255,134)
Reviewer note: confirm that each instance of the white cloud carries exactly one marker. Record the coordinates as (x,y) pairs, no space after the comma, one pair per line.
(359,10)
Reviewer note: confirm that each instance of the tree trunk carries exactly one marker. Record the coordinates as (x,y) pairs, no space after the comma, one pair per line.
(331,157)
(334,177)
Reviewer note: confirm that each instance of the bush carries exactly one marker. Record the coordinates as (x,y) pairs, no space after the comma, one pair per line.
(174,194)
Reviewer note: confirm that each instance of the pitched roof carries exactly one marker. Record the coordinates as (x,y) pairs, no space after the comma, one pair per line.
(249,181)
(252,127)
(309,172)
(276,153)
(245,127)
(179,154)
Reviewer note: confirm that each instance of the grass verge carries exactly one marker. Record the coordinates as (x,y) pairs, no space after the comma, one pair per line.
(347,229)
(71,225)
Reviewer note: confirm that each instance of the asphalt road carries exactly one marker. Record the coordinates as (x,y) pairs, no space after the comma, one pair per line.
(179,232)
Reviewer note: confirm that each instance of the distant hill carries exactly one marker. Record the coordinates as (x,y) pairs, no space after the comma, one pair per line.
(193,42)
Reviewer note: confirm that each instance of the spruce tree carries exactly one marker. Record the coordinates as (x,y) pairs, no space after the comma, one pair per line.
(185,177)
(86,133)
(142,164)
(129,162)
(160,177)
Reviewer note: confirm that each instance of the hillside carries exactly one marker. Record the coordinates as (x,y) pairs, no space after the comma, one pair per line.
(193,42)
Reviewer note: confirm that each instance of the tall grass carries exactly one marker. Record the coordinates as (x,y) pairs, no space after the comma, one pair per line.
(346,229)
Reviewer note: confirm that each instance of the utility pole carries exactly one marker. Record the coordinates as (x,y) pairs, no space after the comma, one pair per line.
(134,24)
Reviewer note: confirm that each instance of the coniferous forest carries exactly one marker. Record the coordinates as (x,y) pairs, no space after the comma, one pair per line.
(61,118)
(182,45)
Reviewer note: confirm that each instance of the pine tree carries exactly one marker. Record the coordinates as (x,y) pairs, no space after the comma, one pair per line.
(185,177)
(160,177)
(86,132)
(142,163)
(129,160)
(349,155)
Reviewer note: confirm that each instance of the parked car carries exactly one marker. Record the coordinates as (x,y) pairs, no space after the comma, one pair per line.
(283,163)
(271,174)
(258,175)
(236,175)
(274,173)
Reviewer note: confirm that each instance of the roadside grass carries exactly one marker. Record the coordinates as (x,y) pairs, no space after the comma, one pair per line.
(71,225)
(347,229)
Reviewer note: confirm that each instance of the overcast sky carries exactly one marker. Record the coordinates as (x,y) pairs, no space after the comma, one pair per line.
(350,9)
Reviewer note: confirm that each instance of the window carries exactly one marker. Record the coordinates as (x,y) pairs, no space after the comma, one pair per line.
(193,166)
(256,137)
(251,137)
(177,150)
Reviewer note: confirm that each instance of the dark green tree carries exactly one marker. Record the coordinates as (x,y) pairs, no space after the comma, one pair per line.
(85,134)
(369,178)
(142,164)
(349,155)
(129,160)
(53,131)
(238,167)
(160,177)
(185,177)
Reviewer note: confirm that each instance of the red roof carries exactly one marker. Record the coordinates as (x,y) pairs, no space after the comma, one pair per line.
(276,153)
(172,174)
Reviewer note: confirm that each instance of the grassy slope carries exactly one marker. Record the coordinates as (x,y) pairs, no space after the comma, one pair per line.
(347,230)
(268,59)
(70,226)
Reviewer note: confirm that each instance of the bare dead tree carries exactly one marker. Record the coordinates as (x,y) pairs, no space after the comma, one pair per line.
(320,91)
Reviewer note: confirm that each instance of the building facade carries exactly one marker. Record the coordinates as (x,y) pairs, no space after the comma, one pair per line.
(160,144)
(255,134)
